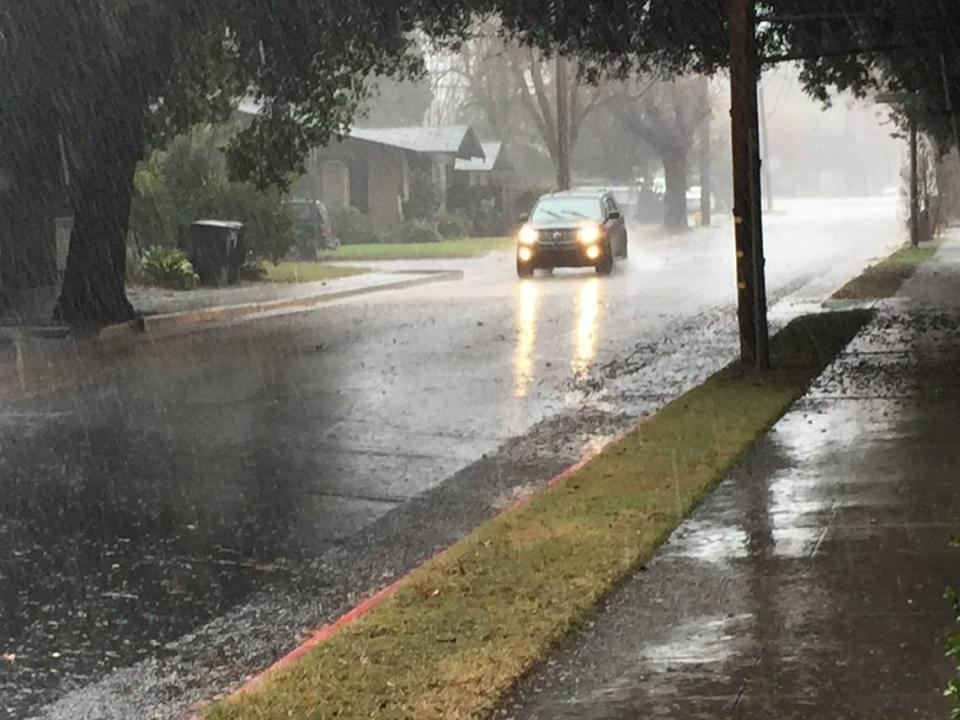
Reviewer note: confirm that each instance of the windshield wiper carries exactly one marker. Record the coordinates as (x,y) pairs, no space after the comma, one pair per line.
(551,212)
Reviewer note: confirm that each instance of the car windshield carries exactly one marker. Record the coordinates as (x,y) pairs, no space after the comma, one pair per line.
(566,208)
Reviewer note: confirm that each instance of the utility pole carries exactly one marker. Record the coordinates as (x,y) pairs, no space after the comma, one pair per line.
(765,149)
(706,181)
(563,124)
(744,116)
(914,186)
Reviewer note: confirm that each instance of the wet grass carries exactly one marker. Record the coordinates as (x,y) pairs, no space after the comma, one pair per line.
(450,643)
(464,248)
(885,278)
(301,272)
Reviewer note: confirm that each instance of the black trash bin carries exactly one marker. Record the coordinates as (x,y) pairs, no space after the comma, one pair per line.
(217,249)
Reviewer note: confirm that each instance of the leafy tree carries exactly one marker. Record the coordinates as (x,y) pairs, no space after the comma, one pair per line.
(188,181)
(607,148)
(395,103)
(512,91)
(666,114)
(111,78)
(857,45)
(863,46)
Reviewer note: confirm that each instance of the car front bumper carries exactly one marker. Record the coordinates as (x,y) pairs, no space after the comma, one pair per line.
(548,256)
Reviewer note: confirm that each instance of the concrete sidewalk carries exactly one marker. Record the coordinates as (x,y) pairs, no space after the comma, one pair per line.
(167,312)
(809,585)
(152,301)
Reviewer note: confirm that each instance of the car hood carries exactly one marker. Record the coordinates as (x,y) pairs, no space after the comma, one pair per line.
(562,224)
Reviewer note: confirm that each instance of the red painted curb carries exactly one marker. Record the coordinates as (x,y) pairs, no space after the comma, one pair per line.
(377,599)
(323,633)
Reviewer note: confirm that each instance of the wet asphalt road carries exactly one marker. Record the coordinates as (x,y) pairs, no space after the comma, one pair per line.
(173,519)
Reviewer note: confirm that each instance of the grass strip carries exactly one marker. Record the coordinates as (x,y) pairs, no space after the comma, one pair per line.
(303,272)
(885,278)
(463,248)
(470,623)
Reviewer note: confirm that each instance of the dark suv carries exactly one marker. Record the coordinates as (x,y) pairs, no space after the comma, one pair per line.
(572,229)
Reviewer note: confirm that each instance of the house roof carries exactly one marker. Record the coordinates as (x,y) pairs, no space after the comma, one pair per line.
(457,140)
(493,156)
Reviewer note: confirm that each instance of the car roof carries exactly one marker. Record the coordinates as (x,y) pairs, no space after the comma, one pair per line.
(576,194)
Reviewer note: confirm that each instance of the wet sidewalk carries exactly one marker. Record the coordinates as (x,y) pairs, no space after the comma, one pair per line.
(809,585)
(149,300)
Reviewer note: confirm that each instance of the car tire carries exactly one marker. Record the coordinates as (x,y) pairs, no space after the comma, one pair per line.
(626,247)
(605,267)
(524,270)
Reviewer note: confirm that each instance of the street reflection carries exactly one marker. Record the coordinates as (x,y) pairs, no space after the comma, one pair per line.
(526,337)
(588,311)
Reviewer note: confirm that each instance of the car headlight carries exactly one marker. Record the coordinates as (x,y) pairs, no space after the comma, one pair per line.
(589,234)
(527,235)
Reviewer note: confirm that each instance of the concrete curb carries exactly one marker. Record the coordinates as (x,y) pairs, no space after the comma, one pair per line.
(371,603)
(190,321)
(832,304)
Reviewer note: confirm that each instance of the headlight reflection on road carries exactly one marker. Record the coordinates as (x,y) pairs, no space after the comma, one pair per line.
(588,313)
(526,337)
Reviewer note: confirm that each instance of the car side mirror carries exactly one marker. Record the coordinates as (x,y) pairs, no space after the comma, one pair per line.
(524,217)
(615,216)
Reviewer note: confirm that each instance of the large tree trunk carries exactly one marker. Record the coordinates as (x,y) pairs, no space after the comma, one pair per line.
(93,292)
(675,199)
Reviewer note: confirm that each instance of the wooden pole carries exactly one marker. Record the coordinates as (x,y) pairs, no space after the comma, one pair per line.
(563,124)
(751,287)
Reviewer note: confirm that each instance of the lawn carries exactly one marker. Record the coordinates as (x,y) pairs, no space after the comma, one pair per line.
(471,622)
(464,248)
(885,278)
(300,272)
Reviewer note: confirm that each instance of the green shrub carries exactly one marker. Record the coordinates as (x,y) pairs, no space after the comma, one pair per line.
(253,271)
(167,267)
(188,181)
(424,200)
(354,227)
(267,218)
(490,222)
(453,225)
(417,231)
(478,203)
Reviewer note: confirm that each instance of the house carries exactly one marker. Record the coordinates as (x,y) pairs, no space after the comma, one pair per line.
(495,168)
(491,178)
(373,169)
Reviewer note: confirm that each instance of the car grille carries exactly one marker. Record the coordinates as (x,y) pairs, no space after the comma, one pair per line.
(557,238)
